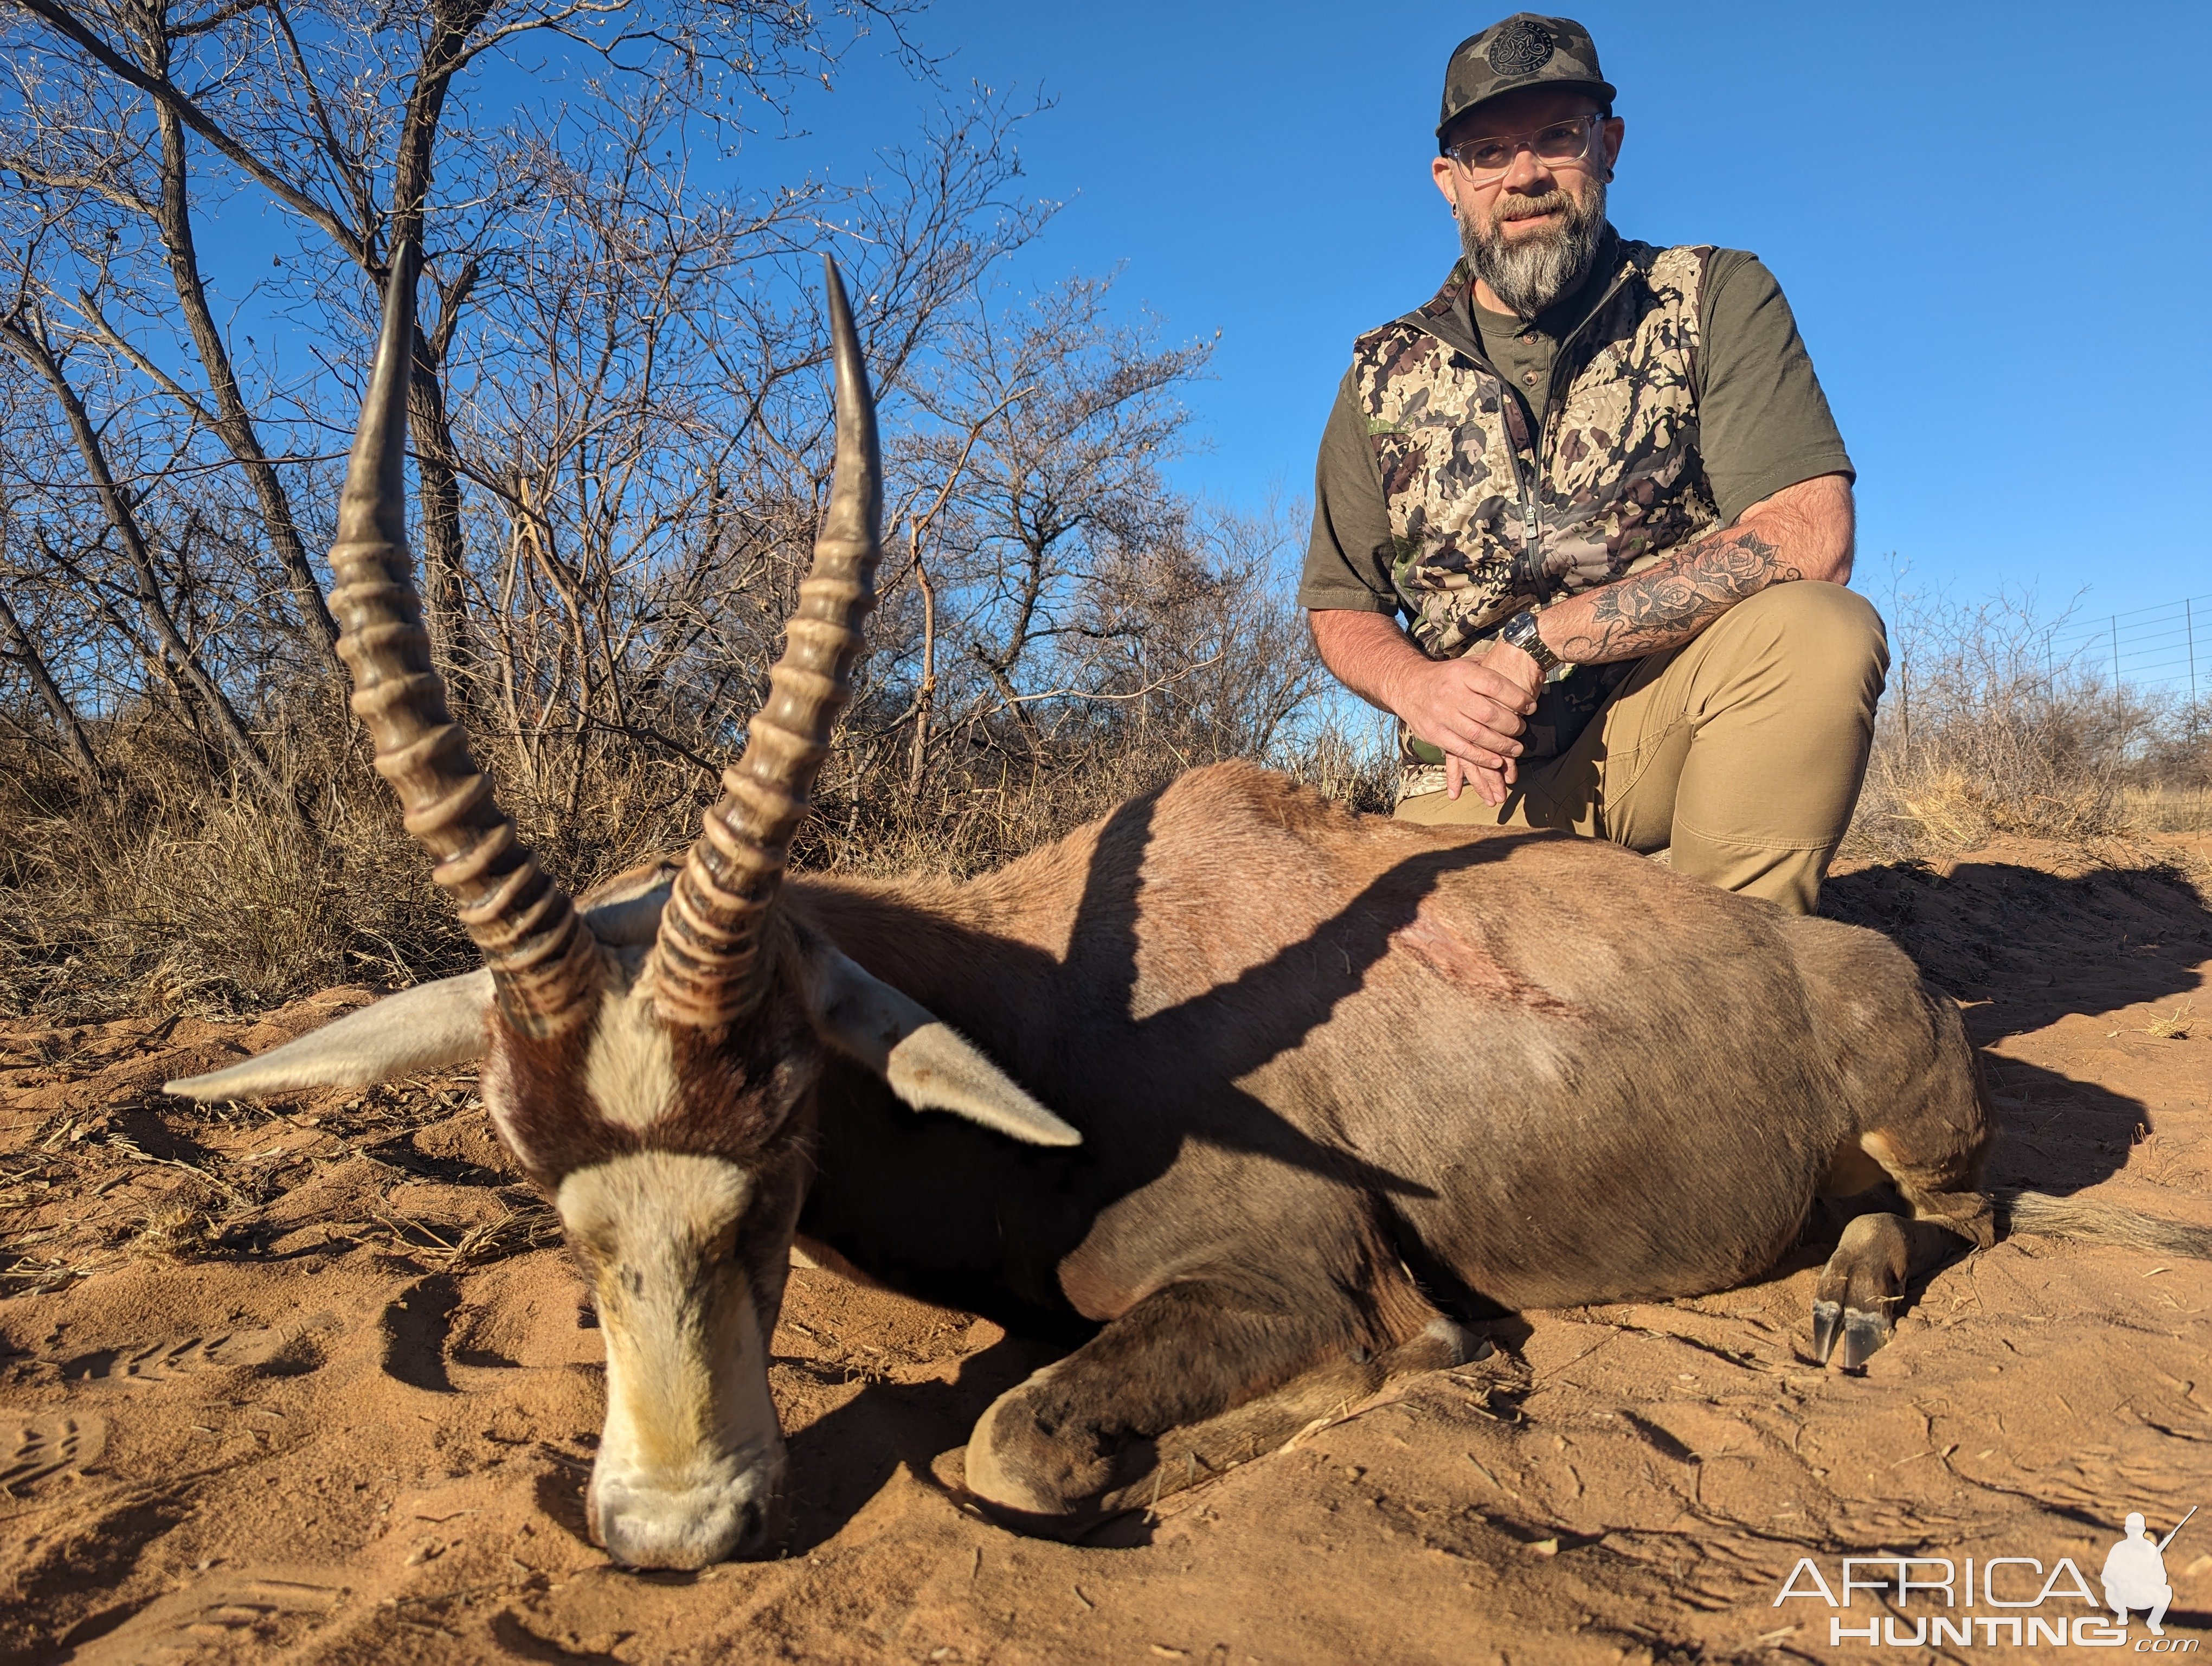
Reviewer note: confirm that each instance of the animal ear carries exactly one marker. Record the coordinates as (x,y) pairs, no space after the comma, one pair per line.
(923,1059)
(425,1028)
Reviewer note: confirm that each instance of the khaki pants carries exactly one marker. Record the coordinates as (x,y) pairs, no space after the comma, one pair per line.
(1741,751)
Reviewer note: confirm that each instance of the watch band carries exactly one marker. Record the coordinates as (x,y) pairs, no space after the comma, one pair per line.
(1520,631)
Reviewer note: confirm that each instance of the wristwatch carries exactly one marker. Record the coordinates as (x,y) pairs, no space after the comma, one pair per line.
(1520,631)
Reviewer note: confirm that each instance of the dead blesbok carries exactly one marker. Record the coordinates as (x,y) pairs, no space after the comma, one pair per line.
(1273,1096)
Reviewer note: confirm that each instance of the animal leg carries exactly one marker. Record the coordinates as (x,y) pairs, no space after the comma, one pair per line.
(1930,1141)
(1864,1282)
(1186,1456)
(1080,1439)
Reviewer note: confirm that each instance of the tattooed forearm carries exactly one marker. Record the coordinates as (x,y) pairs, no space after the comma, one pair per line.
(1668,604)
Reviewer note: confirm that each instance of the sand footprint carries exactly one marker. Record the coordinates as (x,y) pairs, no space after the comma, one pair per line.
(233,1607)
(162,1361)
(40,1444)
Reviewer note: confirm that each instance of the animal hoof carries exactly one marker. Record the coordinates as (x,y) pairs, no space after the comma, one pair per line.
(1827,1319)
(1444,1343)
(1864,1334)
(1023,1476)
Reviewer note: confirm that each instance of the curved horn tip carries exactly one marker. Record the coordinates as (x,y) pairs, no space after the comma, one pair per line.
(841,310)
(853,393)
(402,275)
(372,504)
(856,504)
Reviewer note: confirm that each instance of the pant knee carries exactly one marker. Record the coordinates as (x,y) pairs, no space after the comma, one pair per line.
(1812,632)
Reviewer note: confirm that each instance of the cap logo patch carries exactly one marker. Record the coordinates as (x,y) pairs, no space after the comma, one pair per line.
(1522,44)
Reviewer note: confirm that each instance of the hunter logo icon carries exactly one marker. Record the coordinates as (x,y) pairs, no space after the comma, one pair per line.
(1522,44)
(2135,1573)
(2002,1602)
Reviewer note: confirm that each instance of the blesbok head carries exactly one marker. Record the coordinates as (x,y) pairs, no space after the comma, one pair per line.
(651,1057)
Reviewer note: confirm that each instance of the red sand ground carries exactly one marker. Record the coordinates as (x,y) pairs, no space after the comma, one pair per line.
(313,1383)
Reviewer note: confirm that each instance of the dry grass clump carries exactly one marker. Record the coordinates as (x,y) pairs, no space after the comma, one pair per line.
(170,891)
(2167,807)
(173,1231)
(999,804)
(2175,1025)
(173,892)
(1932,800)
(1909,808)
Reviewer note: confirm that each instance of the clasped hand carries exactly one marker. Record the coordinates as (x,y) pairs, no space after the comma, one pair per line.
(1475,711)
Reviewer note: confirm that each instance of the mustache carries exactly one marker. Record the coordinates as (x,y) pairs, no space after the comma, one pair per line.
(1529,208)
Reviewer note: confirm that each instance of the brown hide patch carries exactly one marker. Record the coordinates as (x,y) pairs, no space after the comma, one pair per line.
(1343,1272)
(1092,1290)
(737,1095)
(1429,939)
(535,1088)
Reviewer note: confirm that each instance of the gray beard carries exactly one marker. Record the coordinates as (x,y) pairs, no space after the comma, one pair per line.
(1529,274)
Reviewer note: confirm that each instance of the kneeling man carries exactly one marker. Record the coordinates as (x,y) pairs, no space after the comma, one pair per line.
(1599,480)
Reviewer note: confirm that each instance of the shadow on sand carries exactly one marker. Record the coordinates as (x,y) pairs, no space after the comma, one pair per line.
(2024,949)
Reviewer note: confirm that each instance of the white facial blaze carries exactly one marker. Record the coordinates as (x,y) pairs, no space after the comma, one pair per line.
(691,1454)
(630,1071)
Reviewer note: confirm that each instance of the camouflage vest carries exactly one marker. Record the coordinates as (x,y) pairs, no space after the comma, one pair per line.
(1486,518)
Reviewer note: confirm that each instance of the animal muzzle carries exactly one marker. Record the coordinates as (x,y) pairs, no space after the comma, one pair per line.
(691,1460)
(704,1512)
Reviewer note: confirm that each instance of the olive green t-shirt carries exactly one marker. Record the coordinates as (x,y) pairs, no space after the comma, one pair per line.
(1763,422)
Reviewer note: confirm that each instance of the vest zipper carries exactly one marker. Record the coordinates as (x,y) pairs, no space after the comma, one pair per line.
(1528,511)
(1532,554)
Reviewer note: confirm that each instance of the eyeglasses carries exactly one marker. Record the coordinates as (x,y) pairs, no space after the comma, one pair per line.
(1562,141)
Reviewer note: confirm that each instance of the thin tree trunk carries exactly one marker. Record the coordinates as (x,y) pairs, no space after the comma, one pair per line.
(20,340)
(233,422)
(74,746)
(519,531)
(445,555)
(161,673)
(568,589)
(1010,697)
(437,458)
(925,698)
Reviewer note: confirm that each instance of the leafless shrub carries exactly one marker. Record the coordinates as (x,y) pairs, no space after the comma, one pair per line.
(1988,727)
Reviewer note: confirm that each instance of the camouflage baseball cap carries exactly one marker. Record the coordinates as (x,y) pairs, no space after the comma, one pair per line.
(1524,51)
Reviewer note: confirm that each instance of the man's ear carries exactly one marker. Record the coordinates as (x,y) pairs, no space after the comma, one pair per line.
(1440,170)
(426,1028)
(923,1059)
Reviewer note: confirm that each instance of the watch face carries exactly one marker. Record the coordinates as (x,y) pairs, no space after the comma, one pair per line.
(1524,635)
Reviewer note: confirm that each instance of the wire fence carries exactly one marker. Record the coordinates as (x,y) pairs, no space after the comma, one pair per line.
(2166,647)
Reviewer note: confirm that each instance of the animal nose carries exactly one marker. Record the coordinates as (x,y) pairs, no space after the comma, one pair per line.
(686,1528)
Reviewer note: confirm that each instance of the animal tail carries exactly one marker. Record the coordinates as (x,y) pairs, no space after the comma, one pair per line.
(2101,1223)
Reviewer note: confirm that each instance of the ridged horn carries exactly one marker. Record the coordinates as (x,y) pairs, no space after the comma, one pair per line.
(544,967)
(707,958)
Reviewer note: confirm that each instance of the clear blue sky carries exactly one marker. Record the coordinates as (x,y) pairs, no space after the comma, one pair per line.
(1993,221)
